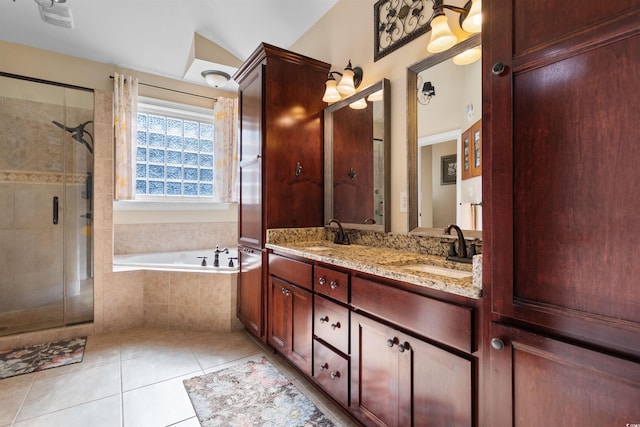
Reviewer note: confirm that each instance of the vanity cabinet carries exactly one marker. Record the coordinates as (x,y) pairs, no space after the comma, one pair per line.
(290,310)
(281,151)
(404,369)
(564,337)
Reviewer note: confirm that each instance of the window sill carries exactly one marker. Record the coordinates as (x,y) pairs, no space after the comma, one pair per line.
(174,205)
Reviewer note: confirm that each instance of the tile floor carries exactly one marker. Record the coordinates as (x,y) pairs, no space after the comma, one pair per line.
(134,379)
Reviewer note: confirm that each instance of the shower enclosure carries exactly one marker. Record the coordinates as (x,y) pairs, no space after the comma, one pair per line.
(46,205)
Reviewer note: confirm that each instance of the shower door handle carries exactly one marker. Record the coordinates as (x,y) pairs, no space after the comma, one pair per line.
(55,210)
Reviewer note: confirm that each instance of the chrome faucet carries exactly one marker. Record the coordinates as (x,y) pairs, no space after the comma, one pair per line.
(459,255)
(341,237)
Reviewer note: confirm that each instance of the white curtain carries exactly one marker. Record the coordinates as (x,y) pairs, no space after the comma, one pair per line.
(225,154)
(125,117)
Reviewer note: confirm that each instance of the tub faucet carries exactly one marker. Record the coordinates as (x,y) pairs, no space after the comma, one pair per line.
(341,236)
(461,254)
(217,252)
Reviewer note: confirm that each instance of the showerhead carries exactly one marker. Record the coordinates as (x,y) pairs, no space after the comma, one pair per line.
(77,133)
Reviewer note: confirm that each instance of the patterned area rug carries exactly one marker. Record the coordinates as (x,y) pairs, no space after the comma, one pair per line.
(40,357)
(251,394)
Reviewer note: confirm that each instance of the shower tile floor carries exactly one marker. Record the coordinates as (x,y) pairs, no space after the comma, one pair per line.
(134,379)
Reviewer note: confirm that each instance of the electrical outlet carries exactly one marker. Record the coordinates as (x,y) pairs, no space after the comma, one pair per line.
(404,202)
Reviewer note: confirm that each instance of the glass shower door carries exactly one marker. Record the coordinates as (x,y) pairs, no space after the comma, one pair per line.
(45,246)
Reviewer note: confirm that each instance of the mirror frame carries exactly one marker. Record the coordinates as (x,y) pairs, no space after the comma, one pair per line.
(412,132)
(385,86)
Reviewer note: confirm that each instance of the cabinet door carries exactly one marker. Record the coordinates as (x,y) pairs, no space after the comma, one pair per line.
(290,322)
(435,386)
(374,372)
(250,174)
(539,381)
(250,298)
(562,215)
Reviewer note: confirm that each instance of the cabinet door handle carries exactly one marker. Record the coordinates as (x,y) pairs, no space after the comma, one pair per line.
(498,68)
(333,284)
(403,347)
(298,169)
(322,280)
(324,319)
(335,375)
(391,342)
(55,209)
(497,344)
(335,325)
(324,366)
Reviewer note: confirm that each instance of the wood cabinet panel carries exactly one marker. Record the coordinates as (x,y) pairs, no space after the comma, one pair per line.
(331,283)
(250,295)
(331,323)
(331,371)
(448,323)
(289,327)
(291,270)
(542,381)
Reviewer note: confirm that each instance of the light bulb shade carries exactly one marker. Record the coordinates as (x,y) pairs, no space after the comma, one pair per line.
(468,56)
(215,78)
(346,85)
(441,36)
(359,104)
(375,96)
(331,93)
(473,22)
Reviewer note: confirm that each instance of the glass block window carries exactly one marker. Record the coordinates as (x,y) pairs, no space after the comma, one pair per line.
(174,152)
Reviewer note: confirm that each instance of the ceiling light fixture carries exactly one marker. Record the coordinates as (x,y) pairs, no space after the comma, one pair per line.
(442,38)
(55,13)
(215,78)
(349,82)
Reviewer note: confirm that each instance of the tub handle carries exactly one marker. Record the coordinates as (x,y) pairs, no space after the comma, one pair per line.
(204,261)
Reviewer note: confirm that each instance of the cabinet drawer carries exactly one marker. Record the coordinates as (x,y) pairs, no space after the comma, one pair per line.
(331,323)
(296,272)
(331,283)
(448,323)
(331,371)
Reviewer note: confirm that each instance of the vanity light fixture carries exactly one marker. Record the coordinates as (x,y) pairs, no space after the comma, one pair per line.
(469,56)
(425,93)
(215,78)
(375,96)
(349,82)
(360,104)
(442,38)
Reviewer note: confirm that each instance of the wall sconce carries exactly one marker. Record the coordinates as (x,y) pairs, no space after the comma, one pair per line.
(350,80)
(441,36)
(215,78)
(425,93)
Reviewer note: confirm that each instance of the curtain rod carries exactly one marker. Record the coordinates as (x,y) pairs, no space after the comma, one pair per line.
(174,90)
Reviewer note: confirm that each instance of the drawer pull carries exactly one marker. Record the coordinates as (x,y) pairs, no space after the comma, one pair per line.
(335,375)
(324,366)
(497,344)
(322,280)
(333,284)
(335,325)
(324,319)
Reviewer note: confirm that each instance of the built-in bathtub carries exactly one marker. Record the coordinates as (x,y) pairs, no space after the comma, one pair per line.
(178,292)
(185,261)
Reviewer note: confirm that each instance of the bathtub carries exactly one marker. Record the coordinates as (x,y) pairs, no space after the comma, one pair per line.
(185,261)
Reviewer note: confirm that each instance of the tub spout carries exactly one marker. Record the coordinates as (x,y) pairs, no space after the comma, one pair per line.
(217,252)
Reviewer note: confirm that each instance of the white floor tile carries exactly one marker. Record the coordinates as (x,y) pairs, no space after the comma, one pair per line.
(99,413)
(156,405)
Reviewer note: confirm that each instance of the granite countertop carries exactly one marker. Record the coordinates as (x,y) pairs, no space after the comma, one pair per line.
(389,263)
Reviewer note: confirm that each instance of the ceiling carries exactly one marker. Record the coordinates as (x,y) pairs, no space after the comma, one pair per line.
(156,36)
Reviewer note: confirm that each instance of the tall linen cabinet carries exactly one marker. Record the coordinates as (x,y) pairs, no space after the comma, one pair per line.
(281,162)
(561,212)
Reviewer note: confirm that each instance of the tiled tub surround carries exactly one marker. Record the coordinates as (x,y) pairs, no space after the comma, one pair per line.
(145,238)
(380,254)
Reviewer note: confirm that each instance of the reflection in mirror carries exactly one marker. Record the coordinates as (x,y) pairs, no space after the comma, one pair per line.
(444,143)
(356,159)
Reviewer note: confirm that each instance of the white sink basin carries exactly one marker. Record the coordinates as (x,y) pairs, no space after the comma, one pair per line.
(440,271)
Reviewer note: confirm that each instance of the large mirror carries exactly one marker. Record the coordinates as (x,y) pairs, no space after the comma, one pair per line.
(444,113)
(357,147)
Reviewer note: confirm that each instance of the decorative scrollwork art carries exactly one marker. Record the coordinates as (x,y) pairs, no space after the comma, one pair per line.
(397,22)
